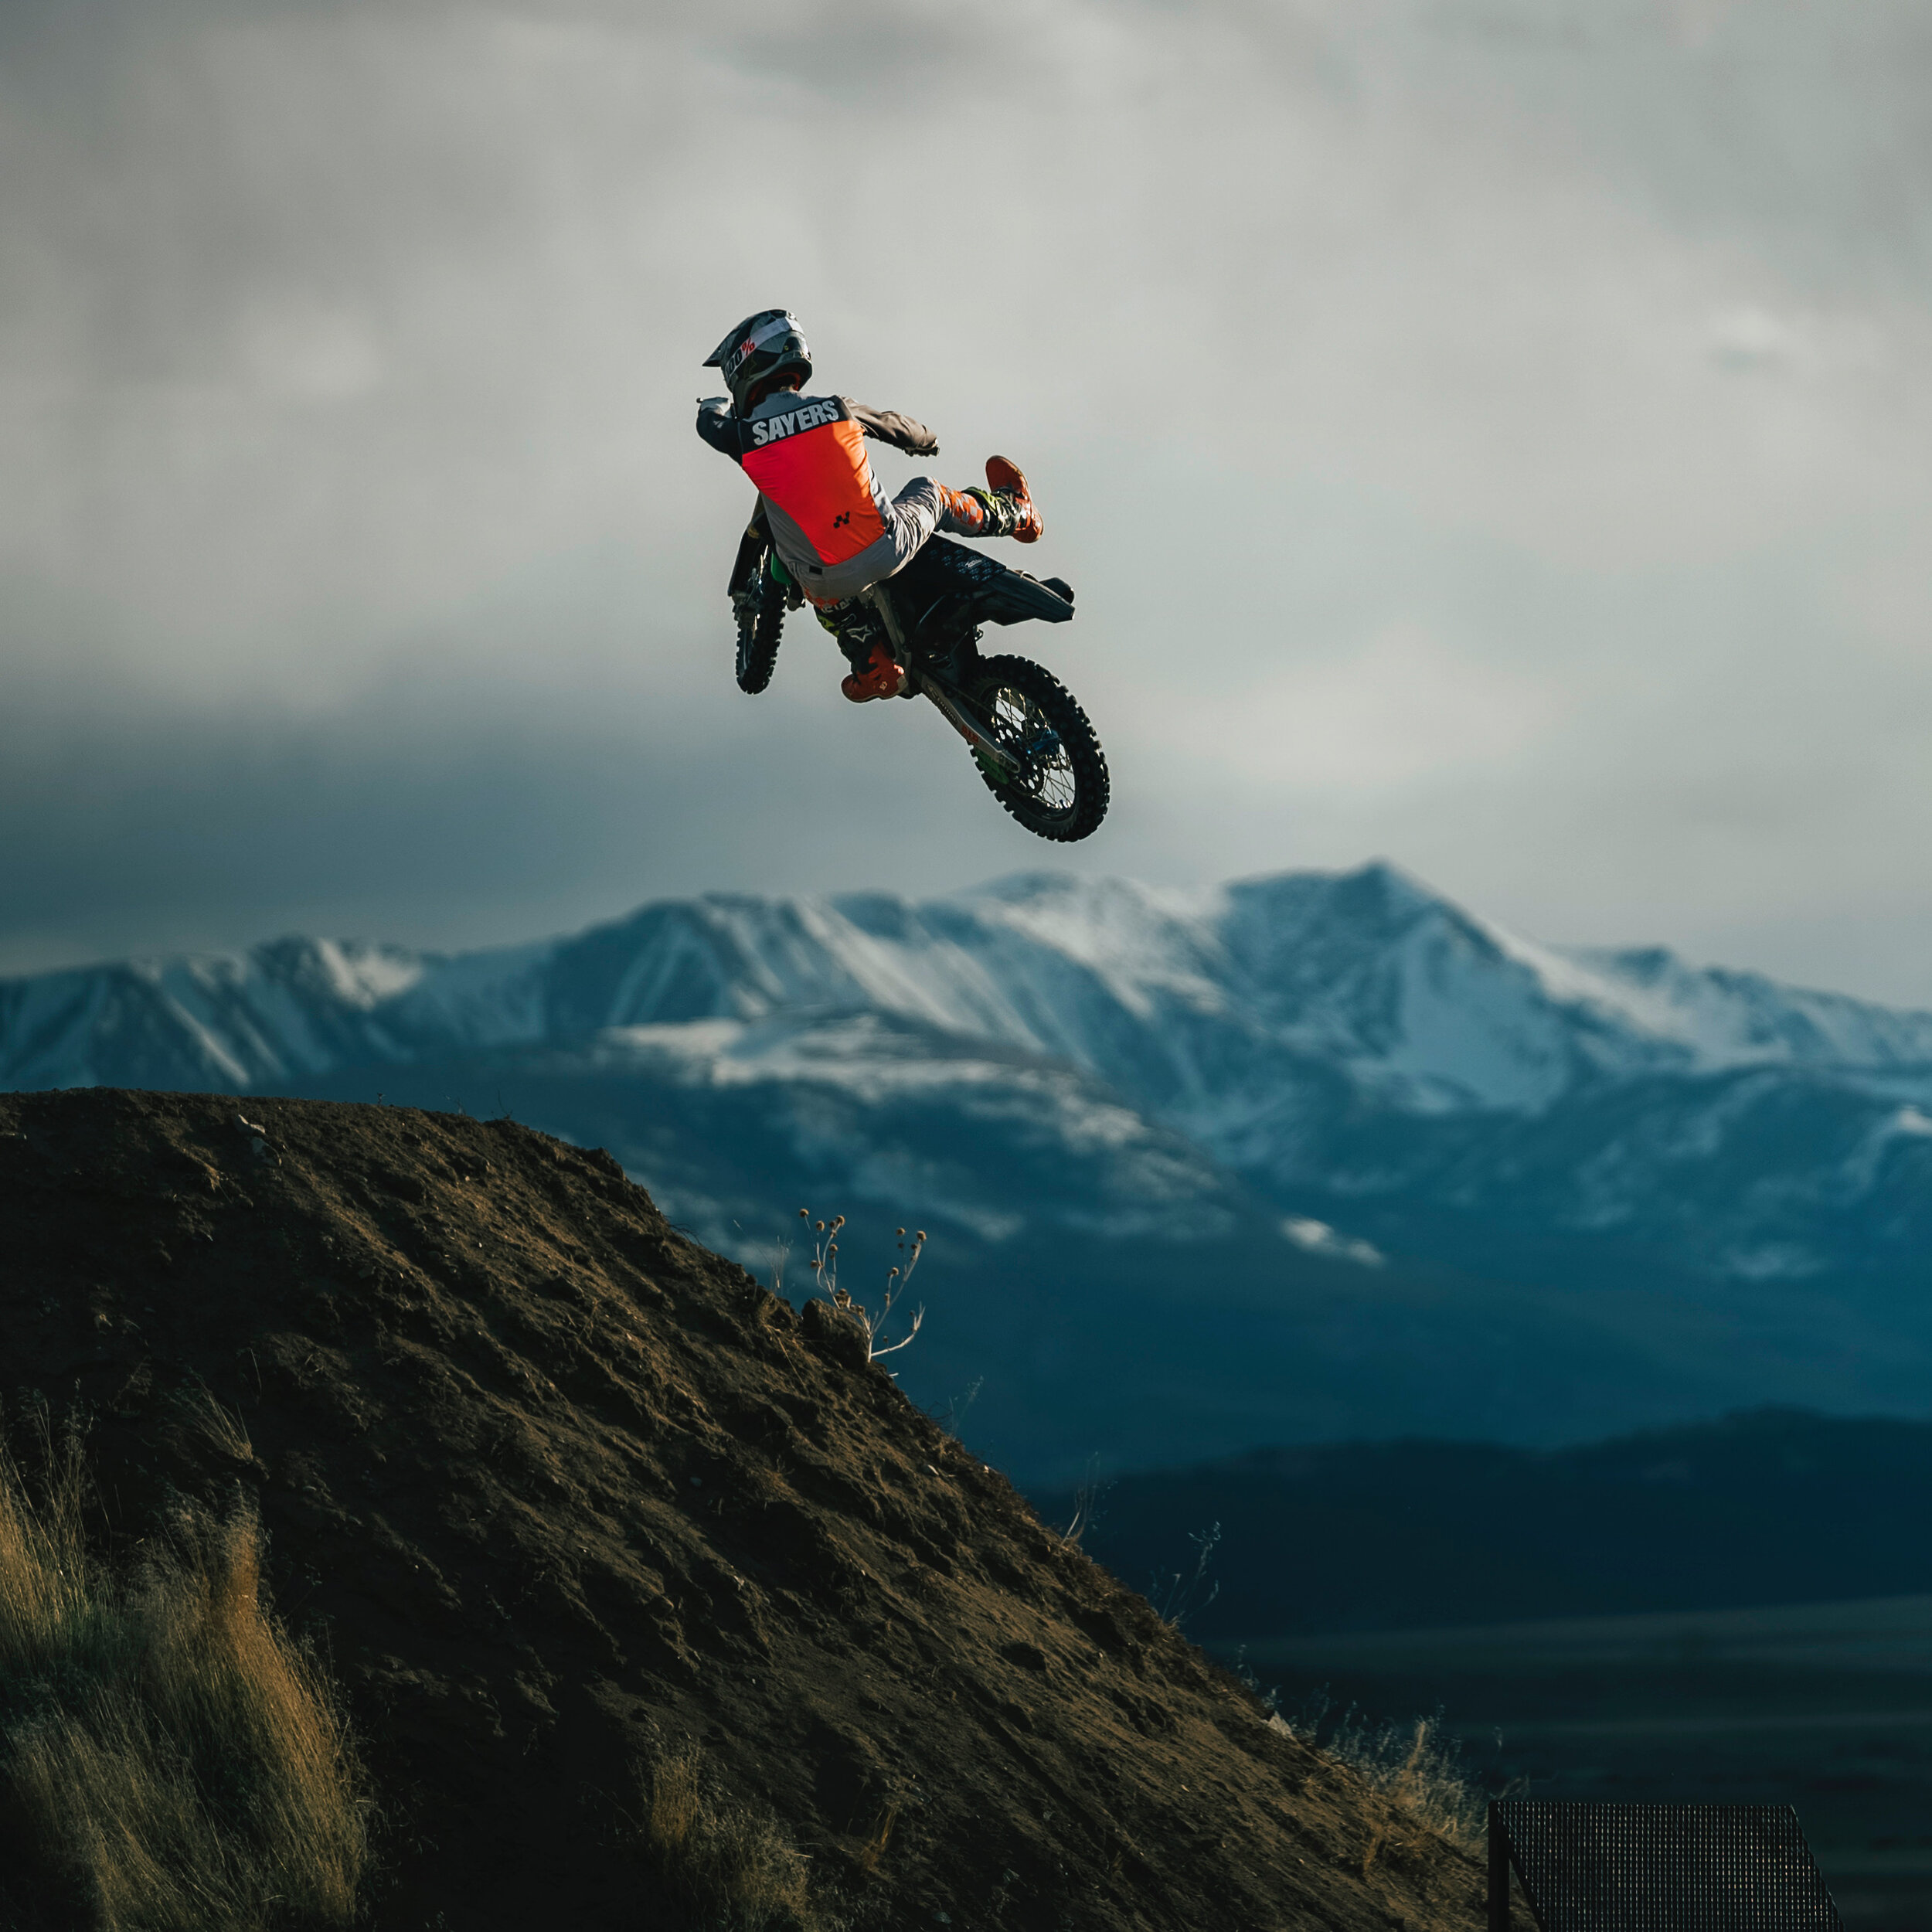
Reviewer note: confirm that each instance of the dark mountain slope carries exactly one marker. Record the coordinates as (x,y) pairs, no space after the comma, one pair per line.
(1101,1324)
(564,1493)
(1771,1506)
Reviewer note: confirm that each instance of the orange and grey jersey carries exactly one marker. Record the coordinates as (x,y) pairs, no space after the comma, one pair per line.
(807,455)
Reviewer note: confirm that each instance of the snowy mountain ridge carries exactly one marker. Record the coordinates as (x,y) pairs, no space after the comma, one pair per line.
(1434,1174)
(1205,1002)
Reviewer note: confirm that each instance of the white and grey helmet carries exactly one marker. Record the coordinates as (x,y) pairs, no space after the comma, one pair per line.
(763,346)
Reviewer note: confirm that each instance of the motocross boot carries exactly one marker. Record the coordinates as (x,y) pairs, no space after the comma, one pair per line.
(1018,517)
(880,677)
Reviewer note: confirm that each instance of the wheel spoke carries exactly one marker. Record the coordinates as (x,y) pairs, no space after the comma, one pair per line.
(1045,771)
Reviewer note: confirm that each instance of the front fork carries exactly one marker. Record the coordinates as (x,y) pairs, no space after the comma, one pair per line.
(953,709)
(757,569)
(750,561)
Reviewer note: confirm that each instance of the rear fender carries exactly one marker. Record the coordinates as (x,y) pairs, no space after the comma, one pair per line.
(941,570)
(1013,596)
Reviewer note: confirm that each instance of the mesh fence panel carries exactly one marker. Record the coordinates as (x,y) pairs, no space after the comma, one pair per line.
(1663,1868)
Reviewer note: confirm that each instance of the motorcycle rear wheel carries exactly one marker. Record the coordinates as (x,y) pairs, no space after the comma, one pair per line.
(1059,788)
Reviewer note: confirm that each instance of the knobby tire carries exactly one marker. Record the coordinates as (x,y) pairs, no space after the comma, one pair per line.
(1062,794)
(759,627)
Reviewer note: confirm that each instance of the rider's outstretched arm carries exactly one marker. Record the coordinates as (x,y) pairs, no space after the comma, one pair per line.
(888,426)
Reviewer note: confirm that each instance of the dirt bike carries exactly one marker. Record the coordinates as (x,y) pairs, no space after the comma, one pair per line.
(1031,741)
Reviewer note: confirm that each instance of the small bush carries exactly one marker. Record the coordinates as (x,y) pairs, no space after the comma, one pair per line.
(1175,1597)
(170,1760)
(728,1866)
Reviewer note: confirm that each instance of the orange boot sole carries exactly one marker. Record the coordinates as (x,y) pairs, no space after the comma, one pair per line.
(883,677)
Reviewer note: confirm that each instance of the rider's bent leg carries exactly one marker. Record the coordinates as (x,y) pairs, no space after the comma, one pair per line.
(1004,508)
(963,512)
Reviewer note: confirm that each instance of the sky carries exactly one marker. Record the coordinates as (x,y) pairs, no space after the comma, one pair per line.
(1487,435)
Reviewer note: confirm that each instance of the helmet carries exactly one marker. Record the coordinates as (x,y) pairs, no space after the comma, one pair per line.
(763,346)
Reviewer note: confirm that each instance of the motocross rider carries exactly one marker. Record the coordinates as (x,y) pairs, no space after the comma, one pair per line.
(835,531)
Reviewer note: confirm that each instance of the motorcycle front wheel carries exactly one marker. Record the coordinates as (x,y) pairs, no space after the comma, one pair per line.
(761,620)
(1056,783)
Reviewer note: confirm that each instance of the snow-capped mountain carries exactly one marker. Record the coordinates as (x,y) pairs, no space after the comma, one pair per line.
(1347,1069)
(1418,1006)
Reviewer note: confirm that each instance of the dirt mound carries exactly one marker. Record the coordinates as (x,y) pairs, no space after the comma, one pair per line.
(569,1496)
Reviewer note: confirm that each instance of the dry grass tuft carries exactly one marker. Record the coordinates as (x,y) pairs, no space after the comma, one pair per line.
(170,1760)
(216,1424)
(730,1866)
(873,1852)
(1418,1774)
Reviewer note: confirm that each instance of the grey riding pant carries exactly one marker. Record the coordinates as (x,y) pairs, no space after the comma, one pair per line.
(911,517)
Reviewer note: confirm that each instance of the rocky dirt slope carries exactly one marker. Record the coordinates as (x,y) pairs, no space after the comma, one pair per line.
(563,1493)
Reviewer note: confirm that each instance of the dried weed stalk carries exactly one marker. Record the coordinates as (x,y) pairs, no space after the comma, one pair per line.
(957,1408)
(170,1760)
(1087,1499)
(873,1852)
(1176,1597)
(825,1273)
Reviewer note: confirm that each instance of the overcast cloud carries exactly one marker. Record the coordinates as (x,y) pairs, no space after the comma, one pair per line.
(1489,433)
